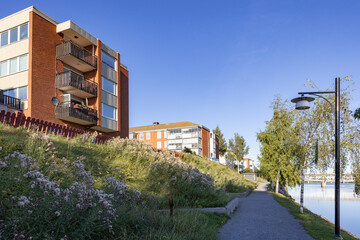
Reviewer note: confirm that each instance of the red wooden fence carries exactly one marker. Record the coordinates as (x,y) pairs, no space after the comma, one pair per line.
(19,119)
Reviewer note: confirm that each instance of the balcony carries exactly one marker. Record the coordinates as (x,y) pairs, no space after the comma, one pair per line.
(76,84)
(76,56)
(77,114)
(10,102)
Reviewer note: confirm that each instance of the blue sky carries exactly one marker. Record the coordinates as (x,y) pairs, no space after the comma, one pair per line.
(219,62)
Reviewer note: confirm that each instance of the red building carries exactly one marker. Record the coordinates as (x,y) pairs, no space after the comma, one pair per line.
(42,59)
(179,135)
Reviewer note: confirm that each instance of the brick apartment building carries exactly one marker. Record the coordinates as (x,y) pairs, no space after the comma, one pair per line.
(42,59)
(177,136)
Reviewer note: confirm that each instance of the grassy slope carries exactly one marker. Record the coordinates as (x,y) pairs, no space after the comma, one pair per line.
(103,160)
(100,161)
(316,226)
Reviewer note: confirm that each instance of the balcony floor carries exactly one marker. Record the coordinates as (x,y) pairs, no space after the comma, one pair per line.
(76,120)
(77,92)
(76,63)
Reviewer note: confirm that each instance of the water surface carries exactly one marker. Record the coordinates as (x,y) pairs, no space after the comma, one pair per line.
(322,202)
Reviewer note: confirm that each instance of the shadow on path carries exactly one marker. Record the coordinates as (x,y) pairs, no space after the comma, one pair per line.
(260,216)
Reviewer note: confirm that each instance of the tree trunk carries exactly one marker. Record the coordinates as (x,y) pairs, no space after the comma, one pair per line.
(302,191)
(277,182)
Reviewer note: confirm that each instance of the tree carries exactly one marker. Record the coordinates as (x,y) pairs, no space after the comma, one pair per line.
(222,141)
(278,147)
(238,148)
(316,134)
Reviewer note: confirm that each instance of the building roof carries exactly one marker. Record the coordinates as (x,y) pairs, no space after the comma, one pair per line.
(163,126)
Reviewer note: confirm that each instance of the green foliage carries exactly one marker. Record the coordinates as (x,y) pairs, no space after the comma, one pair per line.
(315,225)
(357,113)
(222,141)
(103,169)
(278,147)
(237,147)
(187,150)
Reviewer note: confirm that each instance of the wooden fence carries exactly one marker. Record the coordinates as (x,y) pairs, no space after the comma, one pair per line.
(19,119)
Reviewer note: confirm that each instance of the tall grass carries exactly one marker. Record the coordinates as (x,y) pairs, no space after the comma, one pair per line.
(72,189)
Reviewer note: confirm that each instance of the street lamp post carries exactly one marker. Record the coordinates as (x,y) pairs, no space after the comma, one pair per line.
(302,103)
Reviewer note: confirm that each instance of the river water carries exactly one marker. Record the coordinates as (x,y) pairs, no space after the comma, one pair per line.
(322,202)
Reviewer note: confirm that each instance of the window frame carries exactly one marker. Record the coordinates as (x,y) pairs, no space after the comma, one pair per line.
(18,35)
(102,112)
(107,64)
(16,91)
(115,85)
(17,58)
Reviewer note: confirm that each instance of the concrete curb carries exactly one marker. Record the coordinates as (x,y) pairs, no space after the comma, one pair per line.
(228,209)
(240,195)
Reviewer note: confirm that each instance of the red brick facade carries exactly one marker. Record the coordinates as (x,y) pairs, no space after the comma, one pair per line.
(205,142)
(43,67)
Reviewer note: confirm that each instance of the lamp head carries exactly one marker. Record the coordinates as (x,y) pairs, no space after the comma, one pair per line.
(302,103)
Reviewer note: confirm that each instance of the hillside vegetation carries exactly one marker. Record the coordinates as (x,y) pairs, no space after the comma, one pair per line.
(54,187)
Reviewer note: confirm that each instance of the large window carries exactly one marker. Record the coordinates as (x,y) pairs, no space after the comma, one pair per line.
(15,34)
(14,65)
(108,86)
(108,60)
(158,134)
(20,93)
(158,145)
(108,111)
(148,136)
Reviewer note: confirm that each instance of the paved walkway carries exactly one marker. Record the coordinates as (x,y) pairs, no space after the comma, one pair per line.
(260,216)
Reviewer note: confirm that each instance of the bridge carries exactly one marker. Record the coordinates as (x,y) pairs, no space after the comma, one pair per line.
(329,177)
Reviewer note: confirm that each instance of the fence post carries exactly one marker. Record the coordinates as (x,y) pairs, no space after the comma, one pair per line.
(12,119)
(2,116)
(17,120)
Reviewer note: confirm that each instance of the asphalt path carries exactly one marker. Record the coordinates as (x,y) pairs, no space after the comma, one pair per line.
(260,216)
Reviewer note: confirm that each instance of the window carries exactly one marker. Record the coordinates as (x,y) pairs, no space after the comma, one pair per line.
(23,31)
(158,145)
(4,70)
(14,35)
(23,93)
(165,144)
(14,65)
(165,134)
(108,86)
(4,39)
(108,60)
(23,63)
(148,136)
(158,134)
(141,136)
(108,111)
(20,93)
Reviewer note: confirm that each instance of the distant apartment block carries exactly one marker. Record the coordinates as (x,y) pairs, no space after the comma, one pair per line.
(177,136)
(43,60)
(246,163)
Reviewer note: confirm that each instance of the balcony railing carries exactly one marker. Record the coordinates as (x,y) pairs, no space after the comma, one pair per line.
(69,48)
(76,113)
(70,80)
(10,102)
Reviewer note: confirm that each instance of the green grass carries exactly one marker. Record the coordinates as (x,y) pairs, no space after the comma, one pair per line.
(135,162)
(315,225)
(132,163)
(183,225)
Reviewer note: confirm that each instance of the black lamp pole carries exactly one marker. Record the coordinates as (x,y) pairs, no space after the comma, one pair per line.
(337,144)
(337,157)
